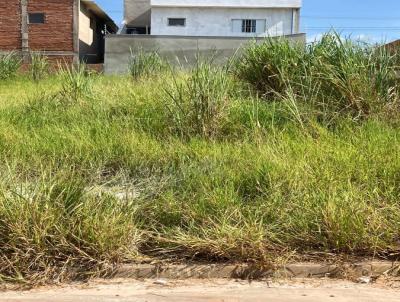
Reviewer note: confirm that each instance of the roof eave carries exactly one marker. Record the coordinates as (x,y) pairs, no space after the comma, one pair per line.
(99,12)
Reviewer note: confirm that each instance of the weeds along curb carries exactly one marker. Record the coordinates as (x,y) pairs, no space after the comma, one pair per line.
(220,271)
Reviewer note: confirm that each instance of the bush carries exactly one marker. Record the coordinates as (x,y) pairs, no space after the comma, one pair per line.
(336,76)
(198,104)
(9,65)
(144,63)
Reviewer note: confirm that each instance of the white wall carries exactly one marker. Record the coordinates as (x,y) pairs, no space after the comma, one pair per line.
(218,21)
(228,3)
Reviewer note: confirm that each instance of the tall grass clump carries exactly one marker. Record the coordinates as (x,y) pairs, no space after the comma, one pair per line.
(51,228)
(269,65)
(39,66)
(9,65)
(145,63)
(335,75)
(76,81)
(198,103)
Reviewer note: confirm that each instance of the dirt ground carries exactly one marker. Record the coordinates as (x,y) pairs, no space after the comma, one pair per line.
(212,291)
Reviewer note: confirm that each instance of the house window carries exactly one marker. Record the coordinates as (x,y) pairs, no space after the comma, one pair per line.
(36,18)
(138,31)
(249,26)
(176,21)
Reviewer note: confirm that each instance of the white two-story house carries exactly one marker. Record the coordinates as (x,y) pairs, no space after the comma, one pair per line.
(212,18)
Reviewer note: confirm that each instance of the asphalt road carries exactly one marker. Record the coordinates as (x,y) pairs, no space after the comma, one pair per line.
(208,291)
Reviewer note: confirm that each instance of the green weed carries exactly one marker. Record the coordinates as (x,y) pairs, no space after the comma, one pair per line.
(143,64)
(76,81)
(199,103)
(9,65)
(39,66)
(335,76)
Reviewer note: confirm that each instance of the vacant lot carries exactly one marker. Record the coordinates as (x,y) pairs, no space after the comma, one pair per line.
(289,154)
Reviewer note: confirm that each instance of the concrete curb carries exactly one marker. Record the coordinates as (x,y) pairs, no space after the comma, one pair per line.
(220,271)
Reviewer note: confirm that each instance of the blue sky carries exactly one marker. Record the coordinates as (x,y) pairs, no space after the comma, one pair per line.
(370,20)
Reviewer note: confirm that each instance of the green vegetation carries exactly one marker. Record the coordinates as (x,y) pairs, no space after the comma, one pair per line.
(9,65)
(76,83)
(210,164)
(144,64)
(198,105)
(336,77)
(39,66)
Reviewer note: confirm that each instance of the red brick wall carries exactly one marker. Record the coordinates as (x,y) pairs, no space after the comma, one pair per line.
(10,25)
(55,63)
(57,32)
(60,60)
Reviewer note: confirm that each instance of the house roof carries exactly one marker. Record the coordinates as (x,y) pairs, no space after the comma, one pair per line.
(228,3)
(99,12)
(392,47)
(395,43)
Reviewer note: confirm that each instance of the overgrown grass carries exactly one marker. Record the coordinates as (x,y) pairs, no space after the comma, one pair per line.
(54,224)
(145,64)
(39,66)
(76,82)
(9,65)
(335,75)
(201,169)
(198,104)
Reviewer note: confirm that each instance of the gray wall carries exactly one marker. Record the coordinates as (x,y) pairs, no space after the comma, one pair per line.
(137,12)
(177,50)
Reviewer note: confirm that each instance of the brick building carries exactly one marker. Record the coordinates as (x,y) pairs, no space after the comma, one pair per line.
(61,29)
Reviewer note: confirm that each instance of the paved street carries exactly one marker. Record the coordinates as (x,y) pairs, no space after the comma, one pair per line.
(209,291)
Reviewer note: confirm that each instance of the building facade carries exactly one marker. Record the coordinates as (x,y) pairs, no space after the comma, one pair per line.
(218,18)
(93,24)
(66,30)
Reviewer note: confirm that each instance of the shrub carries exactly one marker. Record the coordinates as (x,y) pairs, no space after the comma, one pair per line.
(39,66)
(9,65)
(143,63)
